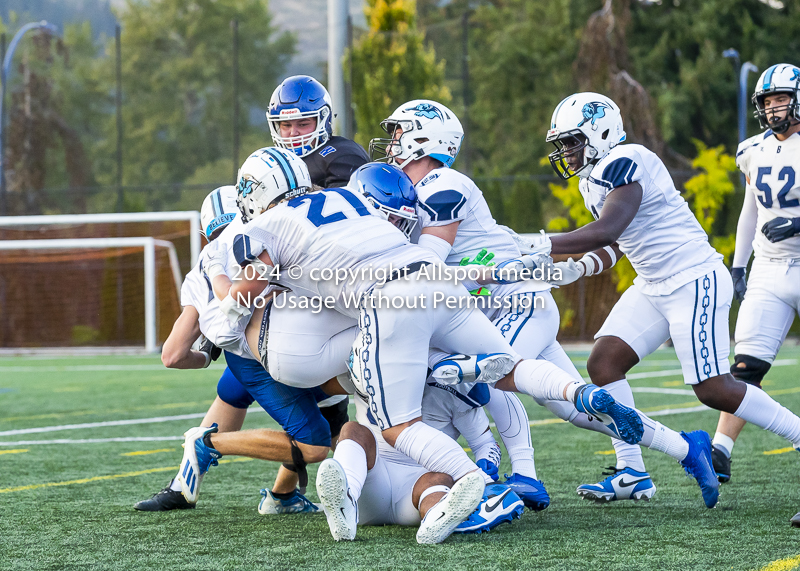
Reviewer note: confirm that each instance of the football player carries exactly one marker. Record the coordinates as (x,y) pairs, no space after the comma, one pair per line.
(307,434)
(770,224)
(458,226)
(340,230)
(299,116)
(682,289)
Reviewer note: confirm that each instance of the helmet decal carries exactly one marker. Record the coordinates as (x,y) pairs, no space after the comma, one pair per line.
(593,111)
(246,186)
(427,110)
(795,75)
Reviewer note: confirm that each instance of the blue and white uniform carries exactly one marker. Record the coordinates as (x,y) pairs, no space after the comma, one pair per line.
(682,289)
(773,288)
(335,229)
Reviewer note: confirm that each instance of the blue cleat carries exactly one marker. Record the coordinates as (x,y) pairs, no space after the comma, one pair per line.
(698,465)
(296,504)
(197,459)
(530,491)
(625,484)
(499,504)
(623,420)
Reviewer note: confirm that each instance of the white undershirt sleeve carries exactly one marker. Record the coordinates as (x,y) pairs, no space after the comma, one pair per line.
(745,230)
(436,245)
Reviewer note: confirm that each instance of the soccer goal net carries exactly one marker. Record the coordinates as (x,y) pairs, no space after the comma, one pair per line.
(91,280)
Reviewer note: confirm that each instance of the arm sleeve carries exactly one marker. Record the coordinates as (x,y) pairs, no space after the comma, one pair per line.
(745,230)
(436,245)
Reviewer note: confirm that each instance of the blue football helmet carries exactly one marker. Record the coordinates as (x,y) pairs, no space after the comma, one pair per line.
(390,190)
(300,97)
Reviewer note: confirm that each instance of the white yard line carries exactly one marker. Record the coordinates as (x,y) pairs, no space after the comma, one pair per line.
(91,368)
(94,440)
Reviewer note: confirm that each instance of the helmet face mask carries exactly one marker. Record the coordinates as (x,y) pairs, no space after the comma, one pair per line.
(268,177)
(780,79)
(570,156)
(301,97)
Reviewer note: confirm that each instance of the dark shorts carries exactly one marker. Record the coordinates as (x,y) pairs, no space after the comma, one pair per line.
(295,409)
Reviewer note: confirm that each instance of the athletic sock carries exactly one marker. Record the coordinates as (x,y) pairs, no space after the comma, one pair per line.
(511,420)
(759,408)
(723,443)
(628,455)
(435,451)
(175,485)
(543,380)
(284,496)
(353,459)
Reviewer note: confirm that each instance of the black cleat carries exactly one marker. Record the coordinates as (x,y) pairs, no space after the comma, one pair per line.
(165,500)
(721,464)
(795,520)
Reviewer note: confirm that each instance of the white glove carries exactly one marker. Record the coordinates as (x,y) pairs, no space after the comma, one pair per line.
(542,244)
(570,271)
(214,259)
(513,271)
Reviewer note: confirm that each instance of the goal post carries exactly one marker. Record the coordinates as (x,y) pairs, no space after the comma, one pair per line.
(147,243)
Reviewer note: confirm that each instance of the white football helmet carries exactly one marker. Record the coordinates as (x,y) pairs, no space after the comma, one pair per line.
(268,177)
(219,209)
(585,126)
(428,129)
(780,78)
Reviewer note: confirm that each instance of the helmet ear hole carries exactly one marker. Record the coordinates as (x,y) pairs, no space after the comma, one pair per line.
(605,135)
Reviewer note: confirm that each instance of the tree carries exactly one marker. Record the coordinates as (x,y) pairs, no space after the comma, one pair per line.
(176,68)
(390,65)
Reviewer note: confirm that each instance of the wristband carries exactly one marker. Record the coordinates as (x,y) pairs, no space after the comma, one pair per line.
(208,359)
(611,254)
(232,310)
(215,270)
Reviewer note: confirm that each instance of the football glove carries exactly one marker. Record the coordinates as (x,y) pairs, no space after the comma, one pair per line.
(570,271)
(214,259)
(483,258)
(779,229)
(739,283)
(211,351)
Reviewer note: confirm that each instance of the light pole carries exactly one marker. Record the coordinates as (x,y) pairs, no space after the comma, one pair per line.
(4,74)
(741,72)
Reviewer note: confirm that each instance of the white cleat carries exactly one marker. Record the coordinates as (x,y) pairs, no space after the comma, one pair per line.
(485,368)
(197,459)
(340,509)
(451,510)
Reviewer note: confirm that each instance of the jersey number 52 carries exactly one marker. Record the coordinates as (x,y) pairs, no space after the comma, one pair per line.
(765,198)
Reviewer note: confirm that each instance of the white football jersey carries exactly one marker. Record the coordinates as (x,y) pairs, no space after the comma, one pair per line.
(773,169)
(664,240)
(197,292)
(446,196)
(329,230)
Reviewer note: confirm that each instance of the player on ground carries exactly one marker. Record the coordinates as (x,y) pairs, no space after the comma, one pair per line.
(770,224)
(682,289)
(338,230)
(367,482)
(457,225)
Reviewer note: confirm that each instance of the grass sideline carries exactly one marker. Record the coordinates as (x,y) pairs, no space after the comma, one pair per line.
(69,506)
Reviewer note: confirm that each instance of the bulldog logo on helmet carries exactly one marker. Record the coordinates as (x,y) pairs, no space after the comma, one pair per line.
(593,111)
(426,110)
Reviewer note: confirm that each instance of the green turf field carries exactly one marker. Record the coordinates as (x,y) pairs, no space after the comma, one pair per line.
(69,505)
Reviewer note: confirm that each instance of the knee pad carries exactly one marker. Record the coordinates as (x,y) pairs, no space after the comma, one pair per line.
(749,369)
(336,415)
(231,391)
(298,465)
